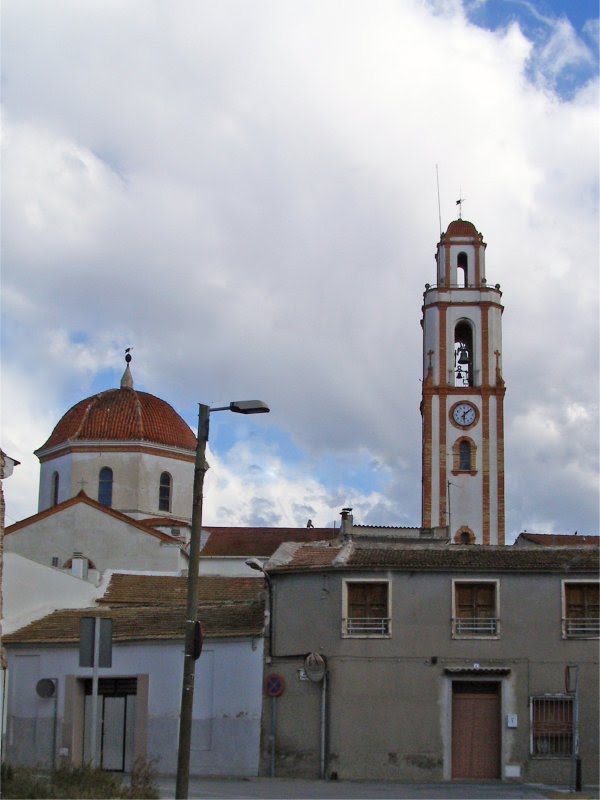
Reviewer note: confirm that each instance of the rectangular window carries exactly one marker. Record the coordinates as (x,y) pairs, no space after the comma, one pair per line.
(581,618)
(551,726)
(367,609)
(475,609)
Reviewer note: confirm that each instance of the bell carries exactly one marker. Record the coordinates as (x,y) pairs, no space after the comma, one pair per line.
(459,375)
(463,356)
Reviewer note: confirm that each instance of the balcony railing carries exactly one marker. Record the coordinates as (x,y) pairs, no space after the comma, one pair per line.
(581,627)
(476,626)
(366,626)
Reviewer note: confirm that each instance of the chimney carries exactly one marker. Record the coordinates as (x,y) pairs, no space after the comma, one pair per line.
(79,566)
(347,523)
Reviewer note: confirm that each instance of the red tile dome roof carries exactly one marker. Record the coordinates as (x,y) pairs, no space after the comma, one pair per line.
(461,227)
(122,415)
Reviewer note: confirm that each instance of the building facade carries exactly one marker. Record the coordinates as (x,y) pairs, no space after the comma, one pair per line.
(50,713)
(442,663)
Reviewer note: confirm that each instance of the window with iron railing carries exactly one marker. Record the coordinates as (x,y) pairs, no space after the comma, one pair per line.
(475,609)
(581,618)
(366,609)
(551,726)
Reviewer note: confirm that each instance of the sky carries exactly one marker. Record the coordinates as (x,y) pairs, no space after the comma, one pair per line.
(246,193)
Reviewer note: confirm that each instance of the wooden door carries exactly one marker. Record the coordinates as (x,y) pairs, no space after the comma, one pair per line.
(475,730)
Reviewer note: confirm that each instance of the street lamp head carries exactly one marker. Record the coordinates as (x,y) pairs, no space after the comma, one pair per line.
(254,563)
(249,407)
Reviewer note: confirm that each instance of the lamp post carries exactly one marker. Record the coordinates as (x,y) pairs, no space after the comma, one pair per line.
(190,656)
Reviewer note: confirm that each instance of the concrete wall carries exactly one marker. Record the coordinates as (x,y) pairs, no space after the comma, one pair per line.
(227,704)
(389,699)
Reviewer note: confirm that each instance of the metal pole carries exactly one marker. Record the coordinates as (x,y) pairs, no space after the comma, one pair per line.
(189,664)
(576,764)
(273,734)
(93,739)
(323,727)
(54,736)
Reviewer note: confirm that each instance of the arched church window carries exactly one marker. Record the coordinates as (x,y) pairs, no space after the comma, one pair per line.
(462,270)
(105,486)
(55,485)
(464,535)
(164,492)
(463,354)
(464,455)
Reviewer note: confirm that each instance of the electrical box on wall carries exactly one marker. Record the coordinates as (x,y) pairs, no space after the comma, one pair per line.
(512,721)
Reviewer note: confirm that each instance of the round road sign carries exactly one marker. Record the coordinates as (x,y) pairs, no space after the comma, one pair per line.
(274,685)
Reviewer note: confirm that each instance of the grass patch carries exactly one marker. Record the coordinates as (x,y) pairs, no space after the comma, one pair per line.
(67,781)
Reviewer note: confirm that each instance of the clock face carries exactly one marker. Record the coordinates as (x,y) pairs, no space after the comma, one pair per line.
(464,414)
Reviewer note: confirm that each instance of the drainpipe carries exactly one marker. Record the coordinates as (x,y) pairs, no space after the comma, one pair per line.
(324,727)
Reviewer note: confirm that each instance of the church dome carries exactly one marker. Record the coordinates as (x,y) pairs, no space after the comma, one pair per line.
(462,227)
(122,415)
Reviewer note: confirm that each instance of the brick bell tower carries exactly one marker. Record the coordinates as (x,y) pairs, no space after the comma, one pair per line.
(463,393)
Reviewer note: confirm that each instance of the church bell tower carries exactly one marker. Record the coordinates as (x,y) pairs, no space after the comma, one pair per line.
(463,394)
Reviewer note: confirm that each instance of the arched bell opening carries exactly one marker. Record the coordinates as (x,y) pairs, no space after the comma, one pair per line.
(463,354)
(462,271)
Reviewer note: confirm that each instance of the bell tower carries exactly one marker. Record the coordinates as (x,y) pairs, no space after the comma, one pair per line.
(463,394)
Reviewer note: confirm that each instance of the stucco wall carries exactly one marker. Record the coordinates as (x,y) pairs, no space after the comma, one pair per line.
(389,699)
(109,542)
(227,702)
(136,479)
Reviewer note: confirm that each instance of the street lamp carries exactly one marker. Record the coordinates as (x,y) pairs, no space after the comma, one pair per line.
(191,625)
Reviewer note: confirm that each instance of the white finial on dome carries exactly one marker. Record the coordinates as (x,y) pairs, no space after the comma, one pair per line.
(127,379)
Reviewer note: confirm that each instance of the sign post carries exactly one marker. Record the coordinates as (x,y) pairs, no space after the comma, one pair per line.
(95,650)
(274,688)
(572,687)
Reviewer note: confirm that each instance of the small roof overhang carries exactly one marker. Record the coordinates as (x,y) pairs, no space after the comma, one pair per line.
(477,670)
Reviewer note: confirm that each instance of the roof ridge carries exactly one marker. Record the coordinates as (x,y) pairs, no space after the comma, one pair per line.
(82,497)
(84,416)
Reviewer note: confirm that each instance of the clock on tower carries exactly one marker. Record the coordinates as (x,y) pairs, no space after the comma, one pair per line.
(463,393)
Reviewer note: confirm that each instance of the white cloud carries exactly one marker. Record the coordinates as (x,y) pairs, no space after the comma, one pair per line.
(246,194)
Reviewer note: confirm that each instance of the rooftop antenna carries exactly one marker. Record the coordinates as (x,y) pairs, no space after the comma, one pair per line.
(437,175)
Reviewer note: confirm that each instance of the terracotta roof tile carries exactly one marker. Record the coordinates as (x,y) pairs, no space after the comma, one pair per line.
(135,623)
(560,539)
(451,558)
(122,415)
(146,590)
(259,541)
(462,227)
(153,607)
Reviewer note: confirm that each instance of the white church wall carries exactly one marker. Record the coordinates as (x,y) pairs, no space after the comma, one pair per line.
(136,479)
(31,590)
(110,543)
(64,466)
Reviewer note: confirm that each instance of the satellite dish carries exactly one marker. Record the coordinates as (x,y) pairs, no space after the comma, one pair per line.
(315,667)
(46,687)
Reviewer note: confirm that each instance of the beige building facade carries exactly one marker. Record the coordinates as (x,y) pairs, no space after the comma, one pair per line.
(442,663)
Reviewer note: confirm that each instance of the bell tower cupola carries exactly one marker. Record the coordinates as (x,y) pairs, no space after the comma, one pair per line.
(463,393)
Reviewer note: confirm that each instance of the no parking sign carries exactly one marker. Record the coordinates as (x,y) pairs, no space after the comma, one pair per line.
(274,685)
